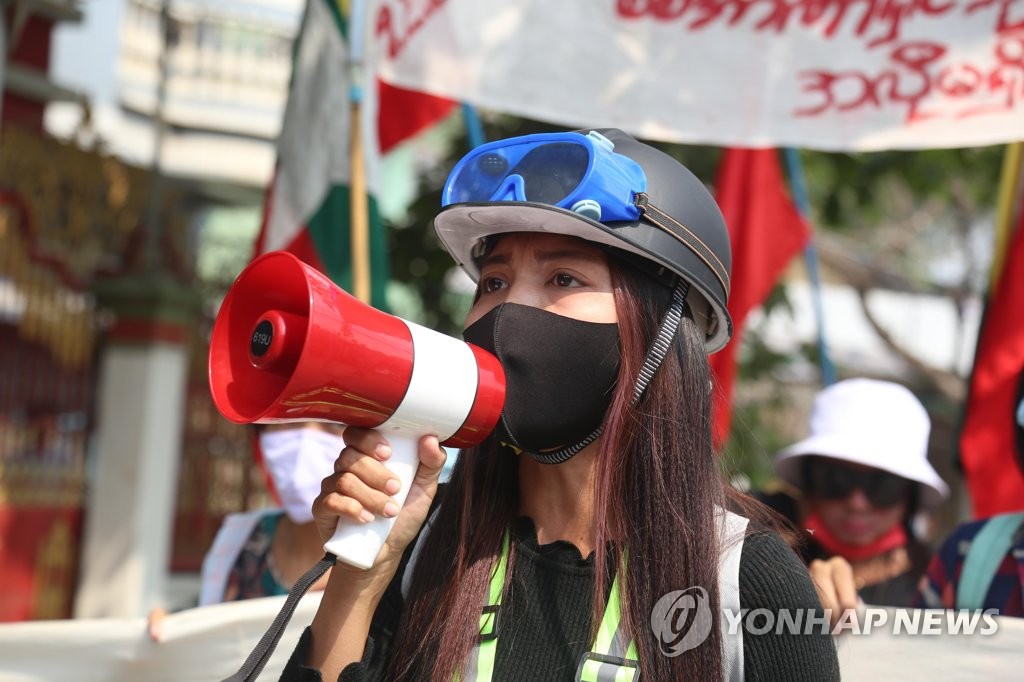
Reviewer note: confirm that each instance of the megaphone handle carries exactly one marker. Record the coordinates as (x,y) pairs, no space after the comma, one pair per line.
(358,544)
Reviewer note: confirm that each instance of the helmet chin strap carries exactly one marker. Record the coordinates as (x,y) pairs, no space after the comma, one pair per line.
(655,354)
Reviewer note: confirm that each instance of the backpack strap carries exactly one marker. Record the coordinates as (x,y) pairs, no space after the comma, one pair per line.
(732,533)
(987,551)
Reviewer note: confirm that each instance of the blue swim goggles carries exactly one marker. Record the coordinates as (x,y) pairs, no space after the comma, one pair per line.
(580,173)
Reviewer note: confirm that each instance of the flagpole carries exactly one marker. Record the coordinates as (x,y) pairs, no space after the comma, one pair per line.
(474,128)
(798,185)
(358,201)
(1009,191)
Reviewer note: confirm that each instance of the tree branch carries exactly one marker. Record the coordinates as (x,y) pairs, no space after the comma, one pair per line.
(949,384)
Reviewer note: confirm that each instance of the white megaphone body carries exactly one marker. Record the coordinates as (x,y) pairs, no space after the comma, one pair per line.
(289,345)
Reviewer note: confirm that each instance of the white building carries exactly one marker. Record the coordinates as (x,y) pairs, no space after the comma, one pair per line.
(228,65)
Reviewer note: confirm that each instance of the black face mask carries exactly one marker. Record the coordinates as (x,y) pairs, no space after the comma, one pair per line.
(560,374)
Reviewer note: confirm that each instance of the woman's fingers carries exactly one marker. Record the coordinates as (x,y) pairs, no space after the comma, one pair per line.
(354,494)
(845,582)
(155,623)
(821,576)
(432,459)
(836,586)
(369,469)
(368,442)
(362,488)
(421,494)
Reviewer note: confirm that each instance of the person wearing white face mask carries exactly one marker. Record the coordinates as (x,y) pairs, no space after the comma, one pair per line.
(262,553)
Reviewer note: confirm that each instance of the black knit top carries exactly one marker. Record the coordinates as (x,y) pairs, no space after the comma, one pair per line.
(546,628)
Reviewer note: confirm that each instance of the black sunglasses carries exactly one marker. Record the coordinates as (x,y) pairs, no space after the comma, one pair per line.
(833,481)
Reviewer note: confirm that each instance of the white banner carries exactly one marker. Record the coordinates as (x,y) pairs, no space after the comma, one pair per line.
(944,646)
(210,643)
(200,645)
(825,74)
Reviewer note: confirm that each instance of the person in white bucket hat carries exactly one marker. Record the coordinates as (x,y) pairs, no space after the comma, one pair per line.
(862,474)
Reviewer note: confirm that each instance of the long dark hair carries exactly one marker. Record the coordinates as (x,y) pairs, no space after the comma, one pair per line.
(657,489)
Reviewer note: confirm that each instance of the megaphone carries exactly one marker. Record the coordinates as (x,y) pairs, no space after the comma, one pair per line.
(288,345)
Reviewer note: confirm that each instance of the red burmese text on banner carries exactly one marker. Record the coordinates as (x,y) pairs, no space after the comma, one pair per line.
(766,231)
(839,75)
(989,447)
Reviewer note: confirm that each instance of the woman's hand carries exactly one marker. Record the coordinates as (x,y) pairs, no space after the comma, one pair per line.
(836,586)
(361,489)
(155,623)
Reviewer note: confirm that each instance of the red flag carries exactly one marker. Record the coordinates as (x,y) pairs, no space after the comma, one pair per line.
(402,113)
(992,443)
(766,231)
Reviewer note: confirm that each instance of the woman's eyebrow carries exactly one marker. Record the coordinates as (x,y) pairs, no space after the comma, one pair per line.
(563,254)
(495,259)
(542,256)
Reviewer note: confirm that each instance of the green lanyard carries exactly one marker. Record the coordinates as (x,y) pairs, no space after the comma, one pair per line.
(613,658)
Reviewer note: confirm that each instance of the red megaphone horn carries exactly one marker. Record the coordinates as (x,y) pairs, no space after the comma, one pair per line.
(288,345)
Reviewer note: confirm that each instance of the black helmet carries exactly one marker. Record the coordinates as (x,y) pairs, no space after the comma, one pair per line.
(679,226)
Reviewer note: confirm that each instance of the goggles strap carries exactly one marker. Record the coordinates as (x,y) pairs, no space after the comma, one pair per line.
(666,332)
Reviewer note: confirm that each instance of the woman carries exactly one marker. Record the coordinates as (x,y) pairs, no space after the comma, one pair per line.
(596,507)
(263,553)
(863,475)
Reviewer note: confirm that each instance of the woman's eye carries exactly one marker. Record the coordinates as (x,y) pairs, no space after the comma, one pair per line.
(491,284)
(564,279)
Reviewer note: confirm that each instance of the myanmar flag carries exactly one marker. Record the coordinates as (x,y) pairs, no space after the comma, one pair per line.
(307,207)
